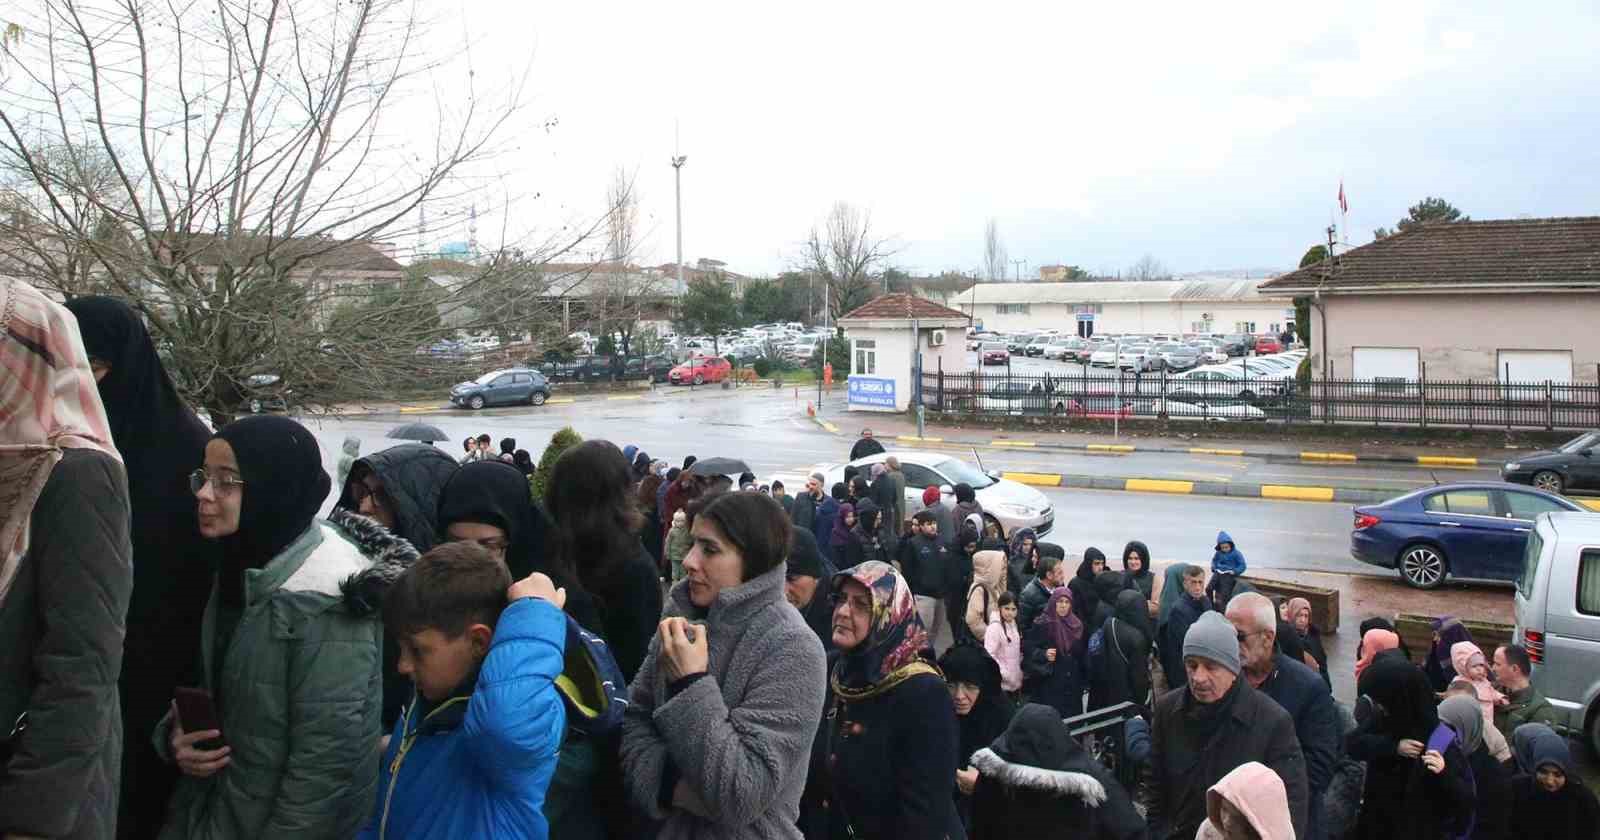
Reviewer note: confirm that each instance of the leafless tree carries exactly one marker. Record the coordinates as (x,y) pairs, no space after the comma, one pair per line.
(231,169)
(1148,268)
(994,253)
(845,254)
(624,293)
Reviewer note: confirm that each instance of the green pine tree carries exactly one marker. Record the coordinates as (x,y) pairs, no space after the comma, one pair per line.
(564,438)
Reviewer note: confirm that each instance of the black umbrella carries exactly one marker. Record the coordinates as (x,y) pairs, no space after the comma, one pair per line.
(418,431)
(719,466)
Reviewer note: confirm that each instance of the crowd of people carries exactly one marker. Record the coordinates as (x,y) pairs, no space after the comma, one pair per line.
(653,651)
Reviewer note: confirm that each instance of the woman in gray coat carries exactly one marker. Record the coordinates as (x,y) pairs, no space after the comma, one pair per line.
(722,713)
(66,574)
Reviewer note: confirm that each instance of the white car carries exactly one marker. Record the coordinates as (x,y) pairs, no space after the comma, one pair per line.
(1060,345)
(1008,503)
(1211,353)
(1214,411)
(1220,382)
(1104,357)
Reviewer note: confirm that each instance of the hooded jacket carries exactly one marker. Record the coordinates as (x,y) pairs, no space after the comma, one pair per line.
(1085,597)
(1570,812)
(1123,672)
(413,477)
(988,716)
(988,581)
(1258,795)
(297,690)
(1144,580)
(1230,561)
(479,763)
(1035,781)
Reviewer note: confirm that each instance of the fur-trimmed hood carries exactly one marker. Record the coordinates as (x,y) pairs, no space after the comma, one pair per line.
(1067,783)
(390,555)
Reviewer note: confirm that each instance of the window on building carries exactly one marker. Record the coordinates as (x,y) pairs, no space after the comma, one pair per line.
(1011,309)
(1244,326)
(866,356)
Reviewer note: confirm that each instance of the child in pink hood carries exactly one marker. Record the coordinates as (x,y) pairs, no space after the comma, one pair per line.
(1004,643)
(1248,804)
(1470,664)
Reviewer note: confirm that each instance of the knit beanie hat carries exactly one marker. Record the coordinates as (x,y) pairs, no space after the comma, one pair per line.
(930,496)
(1213,638)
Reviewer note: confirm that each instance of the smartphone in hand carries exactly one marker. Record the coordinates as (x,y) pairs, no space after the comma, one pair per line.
(197,713)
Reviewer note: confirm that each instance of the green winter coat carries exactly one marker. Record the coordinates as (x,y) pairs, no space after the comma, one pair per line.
(299,692)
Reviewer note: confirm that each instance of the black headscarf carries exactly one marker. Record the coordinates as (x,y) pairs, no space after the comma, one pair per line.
(284,487)
(413,476)
(1085,597)
(1143,580)
(496,493)
(161,442)
(970,663)
(1403,691)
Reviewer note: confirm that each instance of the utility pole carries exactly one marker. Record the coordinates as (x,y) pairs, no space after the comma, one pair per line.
(1019,264)
(677,189)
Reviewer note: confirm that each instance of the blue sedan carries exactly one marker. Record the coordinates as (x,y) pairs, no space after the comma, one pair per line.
(1469,530)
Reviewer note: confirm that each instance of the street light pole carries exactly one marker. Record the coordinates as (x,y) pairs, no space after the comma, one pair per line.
(677,189)
(1019,264)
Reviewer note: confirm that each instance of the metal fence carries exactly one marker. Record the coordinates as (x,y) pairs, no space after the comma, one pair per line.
(1092,394)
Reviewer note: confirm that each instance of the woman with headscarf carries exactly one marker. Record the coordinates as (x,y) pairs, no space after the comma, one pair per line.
(1491,786)
(65,577)
(1052,655)
(982,712)
(1315,655)
(1373,642)
(889,739)
(1122,673)
(290,646)
(1085,596)
(1548,796)
(650,533)
(596,523)
(1171,591)
(161,441)
(967,505)
(1137,575)
(523,460)
(866,538)
(1378,623)
(982,603)
(839,537)
(1416,785)
(1447,632)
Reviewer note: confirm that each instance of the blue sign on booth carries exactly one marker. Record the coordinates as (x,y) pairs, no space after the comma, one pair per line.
(878,393)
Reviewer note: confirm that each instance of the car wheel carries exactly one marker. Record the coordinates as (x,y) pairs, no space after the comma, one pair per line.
(538,398)
(476,402)
(1422,566)
(699,379)
(1549,482)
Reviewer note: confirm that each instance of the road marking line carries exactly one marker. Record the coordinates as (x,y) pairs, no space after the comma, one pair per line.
(1327,456)
(830,427)
(1036,479)
(1216,452)
(1012,443)
(915,439)
(1109,447)
(1445,461)
(1159,485)
(1304,494)
(560,401)
(420,409)
(1592,504)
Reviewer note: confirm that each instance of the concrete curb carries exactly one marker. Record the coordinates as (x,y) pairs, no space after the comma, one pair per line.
(1292,492)
(1443,461)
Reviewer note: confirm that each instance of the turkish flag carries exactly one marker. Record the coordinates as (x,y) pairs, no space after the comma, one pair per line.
(1344,206)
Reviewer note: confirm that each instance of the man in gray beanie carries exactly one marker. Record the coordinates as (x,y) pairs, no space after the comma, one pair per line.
(1202,731)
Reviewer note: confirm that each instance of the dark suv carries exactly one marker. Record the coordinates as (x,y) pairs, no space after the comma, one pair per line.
(653,368)
(513,386)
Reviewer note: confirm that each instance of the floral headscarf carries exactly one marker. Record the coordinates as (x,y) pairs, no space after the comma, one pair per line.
(895,641)
(48,403)
(1064,631)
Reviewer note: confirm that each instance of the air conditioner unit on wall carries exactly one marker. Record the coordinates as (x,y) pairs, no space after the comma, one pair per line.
(936,338)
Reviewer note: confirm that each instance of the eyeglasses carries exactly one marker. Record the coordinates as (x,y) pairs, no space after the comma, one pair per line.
(494,545)
(221,483)
(858,604)
(360,492)
(1244,636)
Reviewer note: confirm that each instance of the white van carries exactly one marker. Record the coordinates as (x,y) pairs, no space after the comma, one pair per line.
(1558,617)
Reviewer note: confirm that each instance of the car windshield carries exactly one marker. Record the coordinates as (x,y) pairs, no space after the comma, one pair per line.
(488,377)
(958,472)
(993,348)
(1580,443)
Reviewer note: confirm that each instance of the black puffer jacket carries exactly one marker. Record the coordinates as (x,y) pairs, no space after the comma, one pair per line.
(1123,673)
(1035,781)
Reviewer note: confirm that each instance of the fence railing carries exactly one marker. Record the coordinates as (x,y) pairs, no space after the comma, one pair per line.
(1213,396)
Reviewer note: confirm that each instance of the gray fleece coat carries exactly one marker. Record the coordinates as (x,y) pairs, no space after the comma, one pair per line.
(739,737)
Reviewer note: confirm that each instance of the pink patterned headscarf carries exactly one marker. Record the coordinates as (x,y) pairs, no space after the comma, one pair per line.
(897,636)
(48,402)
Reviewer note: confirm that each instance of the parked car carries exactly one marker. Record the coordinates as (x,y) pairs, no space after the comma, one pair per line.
(1177,357)
(1268,344)
(514,386)
(1237,344)
(577,369)
(1557,609)
(1039,344)
(1137,358)
(653,368)
(1007,503)
(1104,356)
(1017,343)
(1099,406)
(995,353)
(1146,407)
(700,370)
(1468,530)
(1063,347)
(265,392)
(1574,465)
(1020,398)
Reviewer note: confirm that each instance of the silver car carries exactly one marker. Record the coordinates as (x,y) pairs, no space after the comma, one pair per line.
(1008,503)
(1557,608)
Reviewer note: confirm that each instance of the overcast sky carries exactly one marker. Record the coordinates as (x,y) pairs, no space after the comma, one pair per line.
(1208,135)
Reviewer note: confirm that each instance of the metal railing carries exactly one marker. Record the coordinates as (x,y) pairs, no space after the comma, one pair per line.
(1094,394)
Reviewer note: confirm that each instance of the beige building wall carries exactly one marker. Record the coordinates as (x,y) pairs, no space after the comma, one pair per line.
(1460,336)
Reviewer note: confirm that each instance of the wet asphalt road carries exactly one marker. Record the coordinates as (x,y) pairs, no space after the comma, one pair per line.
(769,432)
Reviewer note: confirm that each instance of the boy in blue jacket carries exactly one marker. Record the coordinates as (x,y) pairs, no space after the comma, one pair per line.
(1226,566)
(474,752)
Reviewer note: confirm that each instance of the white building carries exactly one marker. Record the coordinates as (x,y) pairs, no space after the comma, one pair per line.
(886,335)
(1162,306)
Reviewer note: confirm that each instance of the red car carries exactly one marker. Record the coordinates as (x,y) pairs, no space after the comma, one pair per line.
(700,370)
(995,353)
(1099,407)
(1268,344)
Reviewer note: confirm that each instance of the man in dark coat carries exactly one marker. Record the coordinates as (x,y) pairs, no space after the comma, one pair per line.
(1203,730)
(1052,573)
(1191,604)
(867,445)
(804,512)
(809,585)
(1297,689)
(783,498)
